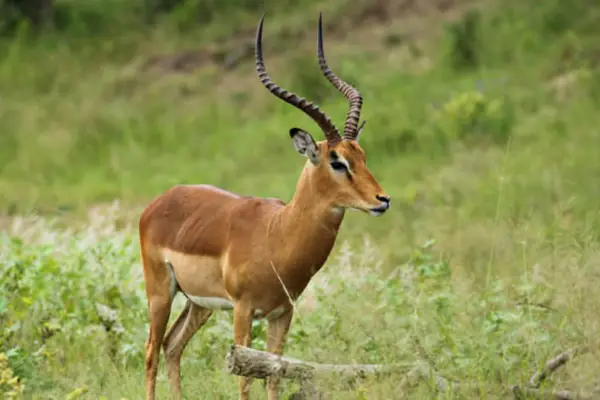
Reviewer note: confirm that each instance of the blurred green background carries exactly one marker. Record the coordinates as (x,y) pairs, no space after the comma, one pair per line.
(482,126)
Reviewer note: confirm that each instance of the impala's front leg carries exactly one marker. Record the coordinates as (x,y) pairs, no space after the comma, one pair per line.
(276,335)
(242,331)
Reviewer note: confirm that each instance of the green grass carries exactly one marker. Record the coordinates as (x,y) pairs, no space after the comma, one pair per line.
(503,180)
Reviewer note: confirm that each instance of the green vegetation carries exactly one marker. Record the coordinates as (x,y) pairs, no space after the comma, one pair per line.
(484,132)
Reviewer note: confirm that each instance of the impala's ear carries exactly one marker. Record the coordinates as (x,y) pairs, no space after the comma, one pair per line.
(360,129)
(305,144)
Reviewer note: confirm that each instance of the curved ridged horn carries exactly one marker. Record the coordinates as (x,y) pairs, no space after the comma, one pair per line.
(354,98)
(331,132)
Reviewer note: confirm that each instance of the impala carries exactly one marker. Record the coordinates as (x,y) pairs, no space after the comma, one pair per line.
(252,255)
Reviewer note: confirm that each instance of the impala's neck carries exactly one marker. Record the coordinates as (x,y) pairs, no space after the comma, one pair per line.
(309,224)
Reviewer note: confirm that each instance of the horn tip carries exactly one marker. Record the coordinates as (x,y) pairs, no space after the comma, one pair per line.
(260,28)
(320,36)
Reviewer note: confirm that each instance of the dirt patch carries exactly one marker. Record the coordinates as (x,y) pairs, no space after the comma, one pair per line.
(238,48)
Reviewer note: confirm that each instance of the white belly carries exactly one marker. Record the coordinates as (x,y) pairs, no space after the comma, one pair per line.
(217,303)
(212,303)
(199,277)
(202,276)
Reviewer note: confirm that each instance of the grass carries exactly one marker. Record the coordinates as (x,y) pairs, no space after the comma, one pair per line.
(483,131)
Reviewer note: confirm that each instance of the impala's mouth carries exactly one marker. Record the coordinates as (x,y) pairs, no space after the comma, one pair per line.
(377,211)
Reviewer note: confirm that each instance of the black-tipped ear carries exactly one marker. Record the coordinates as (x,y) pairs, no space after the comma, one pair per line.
(305,144)
(359,131)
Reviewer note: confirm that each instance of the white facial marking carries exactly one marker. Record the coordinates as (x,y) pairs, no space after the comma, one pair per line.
(212,303)
(375,213)
(342,160)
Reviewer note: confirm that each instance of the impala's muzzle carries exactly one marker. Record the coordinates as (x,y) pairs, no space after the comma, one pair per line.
(385,205)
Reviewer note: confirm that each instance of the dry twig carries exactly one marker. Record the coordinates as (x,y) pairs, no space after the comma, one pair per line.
(532,389)
(555,363)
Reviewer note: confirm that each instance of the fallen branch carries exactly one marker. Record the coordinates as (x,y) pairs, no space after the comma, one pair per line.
(529,393)
(536,380)
(555,363)
(245,361)
(252,363)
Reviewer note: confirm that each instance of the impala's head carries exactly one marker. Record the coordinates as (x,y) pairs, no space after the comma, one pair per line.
(339,165)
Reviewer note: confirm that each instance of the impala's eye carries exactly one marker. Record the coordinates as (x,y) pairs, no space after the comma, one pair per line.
(338,166)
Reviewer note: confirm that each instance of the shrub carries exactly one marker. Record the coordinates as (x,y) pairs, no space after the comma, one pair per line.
(474,117)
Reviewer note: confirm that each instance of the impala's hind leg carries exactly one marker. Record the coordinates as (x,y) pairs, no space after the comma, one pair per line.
(160,290)
(189,321)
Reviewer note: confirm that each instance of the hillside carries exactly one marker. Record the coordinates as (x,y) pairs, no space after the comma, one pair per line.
(482,127)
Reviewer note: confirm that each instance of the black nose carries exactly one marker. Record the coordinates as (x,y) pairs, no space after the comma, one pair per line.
(385,199)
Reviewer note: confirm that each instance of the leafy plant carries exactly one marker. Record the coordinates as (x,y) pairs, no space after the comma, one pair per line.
(473,117)
(10,384)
